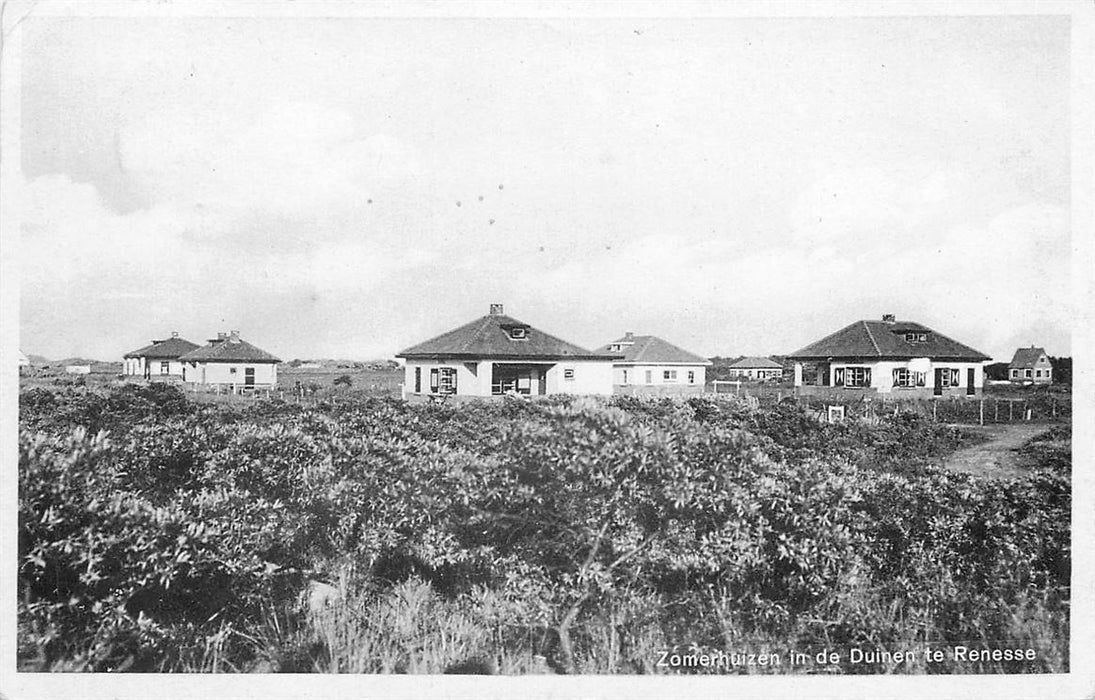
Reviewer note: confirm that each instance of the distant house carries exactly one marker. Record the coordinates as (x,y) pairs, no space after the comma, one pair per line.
(1030,366)
(755,368)
(158,359)
(652,365)
(889,356)
(78,369)
(230,362)
(495,355)
(24,361)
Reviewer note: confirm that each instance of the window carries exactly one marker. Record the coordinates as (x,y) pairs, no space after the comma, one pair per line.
(165,367)
(517,333)
(1028,374)
(231,370)
(442,380)
(852,377)
(948,377)
(568,374)
(669,375)
(691,377)
(418,380)
(625,376)
(1038,373)
(649,376)
(613,348)
(903,377)
(1014,374)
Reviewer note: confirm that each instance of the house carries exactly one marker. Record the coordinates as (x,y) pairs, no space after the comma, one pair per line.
(24,361)
(650,365)
(755,368)
(496,354)
(231,363)
(889,357)
(1030,366)
(78,369)
(160,359)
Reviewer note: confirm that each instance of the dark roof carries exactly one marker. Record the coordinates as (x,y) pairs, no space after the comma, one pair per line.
(882,340)
(1026,358)
(650,349)
(756,363)
(228,350)
(170,348)
(489,336)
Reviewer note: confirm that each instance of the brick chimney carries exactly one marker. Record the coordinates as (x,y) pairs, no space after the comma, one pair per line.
(497,310)
(889,318)
(629,336)
(234,337)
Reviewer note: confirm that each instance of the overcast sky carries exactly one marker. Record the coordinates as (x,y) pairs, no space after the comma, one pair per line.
(349,187)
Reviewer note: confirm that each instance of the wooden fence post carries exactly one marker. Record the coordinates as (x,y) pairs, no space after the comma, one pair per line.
(934,404)
(996,410)
(1011,410)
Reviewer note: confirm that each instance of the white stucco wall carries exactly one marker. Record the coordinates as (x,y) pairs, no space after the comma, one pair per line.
(266,373)
(882,374)
(590,377)
(475,378)
(630,375)
(135,366)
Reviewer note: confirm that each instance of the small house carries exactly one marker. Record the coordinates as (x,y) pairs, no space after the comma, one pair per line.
(496,355)
(159,359)
(231,363)
(78,369)
(902,358)
(755,368)
(650,365)
(1030,366)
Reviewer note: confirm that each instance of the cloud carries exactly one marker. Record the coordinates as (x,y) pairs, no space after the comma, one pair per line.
(294,160)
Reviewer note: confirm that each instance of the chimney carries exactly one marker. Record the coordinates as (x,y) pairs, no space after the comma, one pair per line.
(234,337)
(174,334)
(497,310)
(629,336)
(889,318)
(221,335)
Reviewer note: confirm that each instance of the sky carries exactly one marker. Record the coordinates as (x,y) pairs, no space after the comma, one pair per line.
(348,187)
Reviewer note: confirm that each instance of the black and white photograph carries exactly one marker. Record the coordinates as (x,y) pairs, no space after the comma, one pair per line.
(576,350)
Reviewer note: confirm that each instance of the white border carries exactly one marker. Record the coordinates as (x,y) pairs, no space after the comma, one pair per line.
(1079,683)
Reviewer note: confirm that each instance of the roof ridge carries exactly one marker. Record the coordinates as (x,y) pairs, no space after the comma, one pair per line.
(870,336)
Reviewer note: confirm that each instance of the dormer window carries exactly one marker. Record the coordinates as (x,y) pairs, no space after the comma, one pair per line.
(518,333)
(916,337)
(614,348)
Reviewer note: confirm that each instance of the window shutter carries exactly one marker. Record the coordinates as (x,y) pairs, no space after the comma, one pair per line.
(838,376)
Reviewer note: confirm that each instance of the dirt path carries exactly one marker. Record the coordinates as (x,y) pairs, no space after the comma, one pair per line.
(999,457)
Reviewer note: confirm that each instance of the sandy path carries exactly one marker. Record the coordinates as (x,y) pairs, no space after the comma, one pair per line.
(999,457)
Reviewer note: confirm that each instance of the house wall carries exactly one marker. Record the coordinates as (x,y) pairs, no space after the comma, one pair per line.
(590,377)
(756,372)
(135,366)
(1042,367)
(475,378)
(266,373)
(635,375)
(882,377)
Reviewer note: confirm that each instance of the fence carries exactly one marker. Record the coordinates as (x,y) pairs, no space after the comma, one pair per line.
(982,410)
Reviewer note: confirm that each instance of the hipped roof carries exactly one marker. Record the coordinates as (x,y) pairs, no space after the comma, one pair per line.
(489,337)
(882,340)
(169,349)
(228,350)
(649,349)
(756,363)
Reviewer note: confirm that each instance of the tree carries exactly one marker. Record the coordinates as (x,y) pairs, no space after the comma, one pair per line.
(345,381)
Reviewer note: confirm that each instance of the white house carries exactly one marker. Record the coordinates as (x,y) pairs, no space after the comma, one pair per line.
(755,368)
(231,363)
(650,365)
(1030,366)
(900,358)
(496,355)
(160,359)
